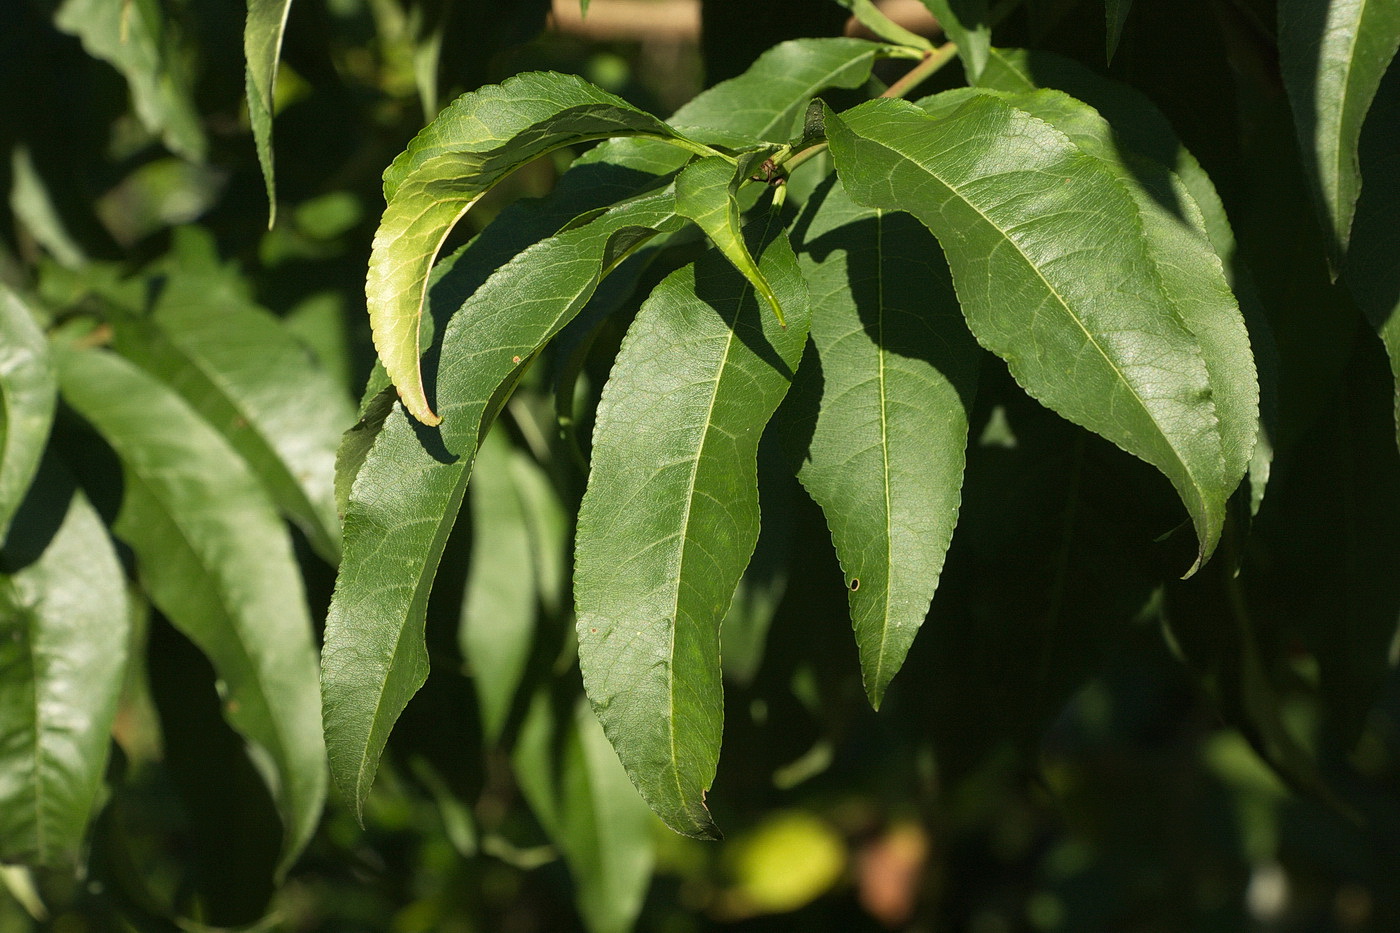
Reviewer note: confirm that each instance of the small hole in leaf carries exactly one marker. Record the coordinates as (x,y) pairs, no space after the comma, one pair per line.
(855,584)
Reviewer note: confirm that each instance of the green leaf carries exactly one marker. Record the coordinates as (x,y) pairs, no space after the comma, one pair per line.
(707,192)
(1141,132)
(406,495)
(498,613)
(262,45)
(580,794)
(885,410)
(877,22)
(1115,15)
(240,368)
(64,626)
(34,208)
(28,393)
(967,23)
(1333,55)
(217,561)
(478,140)
(136,37)
(670,517)
(1071,283)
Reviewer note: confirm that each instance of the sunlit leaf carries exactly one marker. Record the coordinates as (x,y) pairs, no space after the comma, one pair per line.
(670,517)
(967,23)
(27,397)
(262,45)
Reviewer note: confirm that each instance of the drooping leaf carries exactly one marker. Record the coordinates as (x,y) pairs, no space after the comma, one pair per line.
(707,193)
(240,368)
(474,143)
(28,392)
(498,613)
(886,399)
(262,46)
(407,492)
(877,22)
(34,208)
(1063,281)
(579,792)
(967,23)
(1115,15)
(670,517)
(1333,56)
(217,561)
(136,38)
(64,626)
(1143,136)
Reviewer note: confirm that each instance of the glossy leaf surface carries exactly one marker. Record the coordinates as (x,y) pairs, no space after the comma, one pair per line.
(27,398)
(670,517)
(478,140)
(1333,55)
(64,626)
(885,402)
(217,561)
(407,492)
(1060,280)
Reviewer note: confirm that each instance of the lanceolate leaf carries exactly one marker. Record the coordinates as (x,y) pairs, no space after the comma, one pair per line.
(135,38)
(262,45)
(1115,15)
(407,492)
(1057,275)
(27,396)
(498,613)
(880,24)
(572,780)
(249,378)
(670,517)
(63,647)
(478,140)
(887,394)
(1333,56)
(217,561)
(967,23)
(707,193)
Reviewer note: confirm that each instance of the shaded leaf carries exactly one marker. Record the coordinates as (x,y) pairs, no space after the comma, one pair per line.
(474,143)
(32,206)
(405,497)
(1115,15)
(670,517)
(580,794)
(1064,281)
(1333,56)
(28,392)
(885,399)
(217,561)
(262,45)
(967,23)
(136,38)
(64,625)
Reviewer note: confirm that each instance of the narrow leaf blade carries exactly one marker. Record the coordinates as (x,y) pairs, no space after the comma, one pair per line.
(885,401)
(1115,15)
(262,46)
(28,393)
(1333,56)
(670,517)
(967,23)
(217,561)
(478,140)
(64,626)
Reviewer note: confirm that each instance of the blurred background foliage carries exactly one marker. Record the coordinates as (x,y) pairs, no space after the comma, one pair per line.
(1071,746)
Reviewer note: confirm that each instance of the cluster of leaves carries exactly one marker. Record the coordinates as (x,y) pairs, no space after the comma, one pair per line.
(968,285)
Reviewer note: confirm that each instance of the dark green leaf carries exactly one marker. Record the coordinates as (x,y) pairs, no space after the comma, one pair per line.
(136,37)
(217,561)
(572,780)
(887,393)
(262,45)
(967,23)
(670,517)
(64,625)
(478,140)
(1333,55)
(27,396)
(406,495)
(1064,280)
(1115,15)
